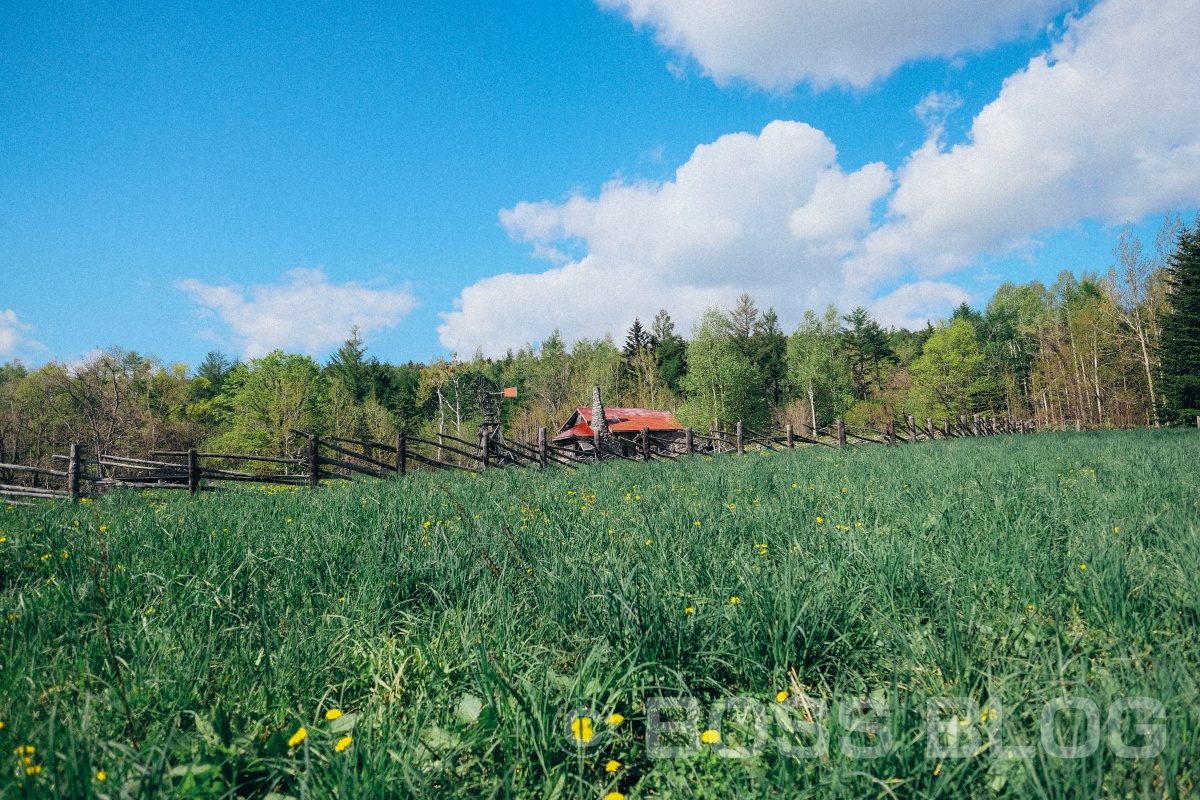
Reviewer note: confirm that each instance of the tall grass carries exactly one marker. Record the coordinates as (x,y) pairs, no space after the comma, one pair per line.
(175,645)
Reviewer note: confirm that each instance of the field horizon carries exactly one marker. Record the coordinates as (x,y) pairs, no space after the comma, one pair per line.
(874,621)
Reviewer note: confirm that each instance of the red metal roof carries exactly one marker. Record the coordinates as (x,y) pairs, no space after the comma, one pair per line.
(620,420)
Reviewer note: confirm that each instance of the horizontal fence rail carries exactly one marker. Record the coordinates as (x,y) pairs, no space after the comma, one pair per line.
(340,458)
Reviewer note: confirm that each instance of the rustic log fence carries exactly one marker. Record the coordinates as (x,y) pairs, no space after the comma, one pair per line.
(324,458)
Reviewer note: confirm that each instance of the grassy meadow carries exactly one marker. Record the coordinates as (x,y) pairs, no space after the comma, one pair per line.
(474,636)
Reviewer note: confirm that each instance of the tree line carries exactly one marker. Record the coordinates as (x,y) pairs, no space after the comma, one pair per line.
(1118,349)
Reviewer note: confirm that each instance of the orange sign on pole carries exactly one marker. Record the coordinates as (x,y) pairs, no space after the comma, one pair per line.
(510,391)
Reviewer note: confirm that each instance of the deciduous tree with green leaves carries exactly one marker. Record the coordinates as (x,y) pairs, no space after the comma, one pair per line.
(950,375)
(722,382)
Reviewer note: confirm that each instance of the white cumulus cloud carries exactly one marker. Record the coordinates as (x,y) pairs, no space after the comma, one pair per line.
(303,312)
(13,334)
(912,304)
(777,44)
(770,214)
(1105,126)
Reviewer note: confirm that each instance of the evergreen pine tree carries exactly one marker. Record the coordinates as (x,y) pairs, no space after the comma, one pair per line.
(769,351)
(1180,327)
(349,366)
(636,340)
(742,320)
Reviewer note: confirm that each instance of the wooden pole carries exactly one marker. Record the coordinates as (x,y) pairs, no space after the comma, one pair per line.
(542,448)
(193,466)
(483,447)
(841,431)
(891,432)
(73,474)
(645,444)
(791,437)
(1077,424)
(689,442)
(929,427)
(974,424)
(314,464)
(912,429)
(741,445)
(401,454)
(946,427)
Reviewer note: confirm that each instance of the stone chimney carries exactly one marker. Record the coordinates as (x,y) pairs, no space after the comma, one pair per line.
(599,420)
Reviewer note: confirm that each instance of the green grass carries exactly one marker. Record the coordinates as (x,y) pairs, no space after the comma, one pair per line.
(178,643)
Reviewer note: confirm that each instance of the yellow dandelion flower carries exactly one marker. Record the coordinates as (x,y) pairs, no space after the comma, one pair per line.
(732,505)
(32,770)
(689,610)
(298,737)
(615,719)
(710,737)
(779,698)
(101,775)
(1083,566)
(343,743)
(333,713)
(612,766)
(614,796)
(649,541)
(820,521)
(103,528)
(697,522)
(581,728)
(735,599)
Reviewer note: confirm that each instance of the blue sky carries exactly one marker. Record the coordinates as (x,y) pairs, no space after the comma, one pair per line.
(452,176)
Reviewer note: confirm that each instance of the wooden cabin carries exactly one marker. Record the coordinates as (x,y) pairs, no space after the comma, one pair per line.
(625,424)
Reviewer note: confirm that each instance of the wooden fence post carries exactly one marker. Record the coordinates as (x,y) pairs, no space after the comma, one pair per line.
(314,465)
(483,448)
(741,445)
(542,448)
(912,429)
(791,437)
(974,424)
(689,444)
(401,453)
(841,431)
(645,444)
(929,427)
(891,432)
(73,474)
(1077,424)
(946,427)
(193,466)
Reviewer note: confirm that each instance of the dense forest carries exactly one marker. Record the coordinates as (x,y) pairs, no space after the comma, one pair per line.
(1118,349)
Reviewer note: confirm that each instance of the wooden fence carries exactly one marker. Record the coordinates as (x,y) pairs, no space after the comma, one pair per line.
(335,458)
